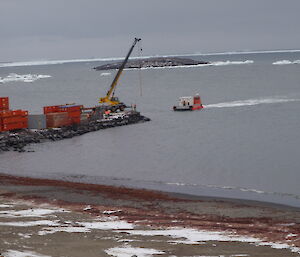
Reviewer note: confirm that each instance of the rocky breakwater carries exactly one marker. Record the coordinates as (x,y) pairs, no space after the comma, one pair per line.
(18,140)
(154,62)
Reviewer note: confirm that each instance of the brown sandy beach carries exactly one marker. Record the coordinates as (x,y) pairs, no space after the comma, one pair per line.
(40,217)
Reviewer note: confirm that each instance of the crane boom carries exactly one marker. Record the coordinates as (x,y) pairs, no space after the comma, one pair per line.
(109,96)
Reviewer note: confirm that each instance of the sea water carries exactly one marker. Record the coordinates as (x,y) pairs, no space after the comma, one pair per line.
(244,144)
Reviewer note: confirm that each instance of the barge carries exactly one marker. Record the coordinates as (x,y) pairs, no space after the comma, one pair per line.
(189,103)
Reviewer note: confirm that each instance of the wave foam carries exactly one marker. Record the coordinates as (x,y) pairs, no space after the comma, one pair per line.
(251,102)
(23,78)
(285,62)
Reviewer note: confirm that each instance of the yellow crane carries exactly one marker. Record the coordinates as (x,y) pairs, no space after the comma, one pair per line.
(110,99)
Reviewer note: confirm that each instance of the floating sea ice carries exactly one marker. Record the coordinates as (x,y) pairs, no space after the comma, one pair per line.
(223,63)
(13,77)
(285,62)
(105,74)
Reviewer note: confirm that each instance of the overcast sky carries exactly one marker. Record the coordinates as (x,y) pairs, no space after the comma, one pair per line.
(69,29)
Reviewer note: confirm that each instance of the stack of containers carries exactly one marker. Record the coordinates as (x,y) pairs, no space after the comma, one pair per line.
(62,115)
(11,119)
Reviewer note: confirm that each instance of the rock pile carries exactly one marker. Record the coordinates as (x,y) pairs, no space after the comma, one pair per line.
(18,140)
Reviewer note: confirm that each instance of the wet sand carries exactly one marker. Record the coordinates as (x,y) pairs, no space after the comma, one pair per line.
(40,217)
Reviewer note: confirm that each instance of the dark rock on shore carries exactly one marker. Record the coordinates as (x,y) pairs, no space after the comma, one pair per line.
(16,141)
(152,63)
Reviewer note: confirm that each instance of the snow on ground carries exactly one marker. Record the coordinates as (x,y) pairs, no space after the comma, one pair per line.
(31,223)
(13,253)
(128,251)
(52,230)
(193,236)
(37,212)
(107,225)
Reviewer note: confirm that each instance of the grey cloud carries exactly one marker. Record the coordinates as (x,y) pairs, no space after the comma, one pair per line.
(57,29)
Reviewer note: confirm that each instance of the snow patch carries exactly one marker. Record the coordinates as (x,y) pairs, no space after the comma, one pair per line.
(128,251)
(110,212)
(193,236)
(28,213)
(107,225)
(5,206)
(14,253)
(30,223)
(53,230)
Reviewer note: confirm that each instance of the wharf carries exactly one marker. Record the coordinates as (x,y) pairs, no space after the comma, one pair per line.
(18,140)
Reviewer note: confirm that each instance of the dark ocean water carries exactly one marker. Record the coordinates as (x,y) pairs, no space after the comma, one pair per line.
(244,144)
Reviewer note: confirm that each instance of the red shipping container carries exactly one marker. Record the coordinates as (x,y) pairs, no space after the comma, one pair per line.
(14,119)
(4,103)
(51,109)
(74,114)
(58,119)
(6,114)
(70,108)
(14,126)
(75,120)
(11,113)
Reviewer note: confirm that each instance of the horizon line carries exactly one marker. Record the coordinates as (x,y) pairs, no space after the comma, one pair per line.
(96,59)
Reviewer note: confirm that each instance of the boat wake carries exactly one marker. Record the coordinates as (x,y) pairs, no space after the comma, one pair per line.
(251,102)
(23,78)
(285,62)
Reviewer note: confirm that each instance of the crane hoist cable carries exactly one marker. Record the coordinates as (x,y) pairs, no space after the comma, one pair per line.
(140,49)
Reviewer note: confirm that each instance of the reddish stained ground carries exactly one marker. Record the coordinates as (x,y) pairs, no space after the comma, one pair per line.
(266,228)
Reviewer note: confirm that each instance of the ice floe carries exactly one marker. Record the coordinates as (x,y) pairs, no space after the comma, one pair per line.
(285,62)
(13,77)
(128,251)
(105,74)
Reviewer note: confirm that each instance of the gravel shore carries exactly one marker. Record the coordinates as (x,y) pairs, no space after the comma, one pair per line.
(40,217)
